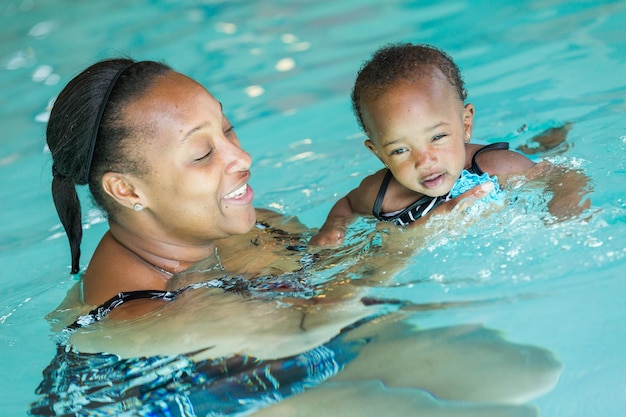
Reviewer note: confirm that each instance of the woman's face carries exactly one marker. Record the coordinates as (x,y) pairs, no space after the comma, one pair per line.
(196,189)
(419,129)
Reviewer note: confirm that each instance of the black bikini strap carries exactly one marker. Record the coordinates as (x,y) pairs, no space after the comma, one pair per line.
(237,284)
(498,145)
(103,310)
(381,194)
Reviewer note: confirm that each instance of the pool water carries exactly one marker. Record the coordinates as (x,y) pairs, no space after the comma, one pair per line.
(284,70)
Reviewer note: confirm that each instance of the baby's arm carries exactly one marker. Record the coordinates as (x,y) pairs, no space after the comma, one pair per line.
(357,202)
(333,230)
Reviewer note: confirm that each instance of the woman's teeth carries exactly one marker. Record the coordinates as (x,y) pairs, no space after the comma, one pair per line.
(238,192)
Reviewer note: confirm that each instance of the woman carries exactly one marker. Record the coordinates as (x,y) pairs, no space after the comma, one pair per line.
(163,161)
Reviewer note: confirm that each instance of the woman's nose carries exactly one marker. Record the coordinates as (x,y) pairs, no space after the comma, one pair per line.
(235,158)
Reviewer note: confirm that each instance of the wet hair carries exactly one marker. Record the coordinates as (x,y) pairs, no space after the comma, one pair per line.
(402,62)
(88,136)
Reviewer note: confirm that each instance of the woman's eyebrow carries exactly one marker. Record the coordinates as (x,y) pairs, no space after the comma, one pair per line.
(194,130)
(201,126)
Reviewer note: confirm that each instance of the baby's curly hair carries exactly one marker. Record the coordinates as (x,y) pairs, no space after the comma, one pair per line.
(406,62)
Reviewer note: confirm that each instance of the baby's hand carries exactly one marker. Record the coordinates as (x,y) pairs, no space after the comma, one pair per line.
(328,237)
(466,200)
(468,181)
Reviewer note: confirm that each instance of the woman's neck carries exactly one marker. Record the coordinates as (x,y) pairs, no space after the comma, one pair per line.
(165,257)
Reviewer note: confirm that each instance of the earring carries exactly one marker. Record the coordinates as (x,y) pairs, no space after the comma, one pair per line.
(137,207)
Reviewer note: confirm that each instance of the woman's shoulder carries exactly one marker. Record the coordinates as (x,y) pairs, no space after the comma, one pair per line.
(71,307)
(114,269)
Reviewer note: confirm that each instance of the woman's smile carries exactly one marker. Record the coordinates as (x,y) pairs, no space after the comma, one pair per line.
(242,195)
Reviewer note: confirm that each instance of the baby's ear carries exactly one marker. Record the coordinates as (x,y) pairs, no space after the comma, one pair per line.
(373,149)
(468,120)
(370,145)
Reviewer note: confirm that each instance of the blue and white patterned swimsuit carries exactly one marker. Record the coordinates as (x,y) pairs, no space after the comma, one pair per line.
(86,384)
(424,204)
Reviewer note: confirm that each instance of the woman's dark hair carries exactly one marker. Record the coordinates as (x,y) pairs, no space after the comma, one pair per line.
(402,62)
(87,136)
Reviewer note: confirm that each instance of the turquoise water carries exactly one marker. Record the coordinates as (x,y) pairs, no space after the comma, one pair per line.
(283,70)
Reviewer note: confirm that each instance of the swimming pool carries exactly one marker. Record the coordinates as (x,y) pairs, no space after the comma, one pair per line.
(285,69)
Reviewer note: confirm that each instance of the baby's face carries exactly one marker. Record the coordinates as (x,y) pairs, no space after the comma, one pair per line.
(419,130)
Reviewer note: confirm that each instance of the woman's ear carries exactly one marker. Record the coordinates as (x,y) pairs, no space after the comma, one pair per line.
(468,121)
(121,189)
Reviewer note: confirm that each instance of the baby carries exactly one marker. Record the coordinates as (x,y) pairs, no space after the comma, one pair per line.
(410,102)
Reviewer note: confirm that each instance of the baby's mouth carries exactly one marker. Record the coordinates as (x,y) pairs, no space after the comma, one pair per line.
(433,181)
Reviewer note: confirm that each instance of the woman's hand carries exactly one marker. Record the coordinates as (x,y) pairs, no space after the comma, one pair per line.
(569,188)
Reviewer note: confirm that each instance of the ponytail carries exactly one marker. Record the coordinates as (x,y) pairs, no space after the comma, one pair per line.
(68,208)
(86,138)
(77,114)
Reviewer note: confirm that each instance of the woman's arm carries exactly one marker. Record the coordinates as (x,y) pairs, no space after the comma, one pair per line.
(568,187)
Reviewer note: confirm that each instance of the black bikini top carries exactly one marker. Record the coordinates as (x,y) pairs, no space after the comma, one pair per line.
(288,284)
(424,204)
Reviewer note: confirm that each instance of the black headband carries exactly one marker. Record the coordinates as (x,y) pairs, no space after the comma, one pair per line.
(96,127)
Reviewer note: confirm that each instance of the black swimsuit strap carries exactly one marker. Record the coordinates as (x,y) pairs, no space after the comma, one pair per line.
(104,309)
(235,284)
(289,284)
(498,145)
(381,194)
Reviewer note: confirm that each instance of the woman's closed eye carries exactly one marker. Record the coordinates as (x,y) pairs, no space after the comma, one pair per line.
(205,156)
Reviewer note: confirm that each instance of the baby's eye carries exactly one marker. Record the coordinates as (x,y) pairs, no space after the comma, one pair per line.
(229,129)
(398,151)
(438,137)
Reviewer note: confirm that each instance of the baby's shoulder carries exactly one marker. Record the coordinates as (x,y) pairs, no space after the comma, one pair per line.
(370,185)
(498,161)
(362,198)
(374,181)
